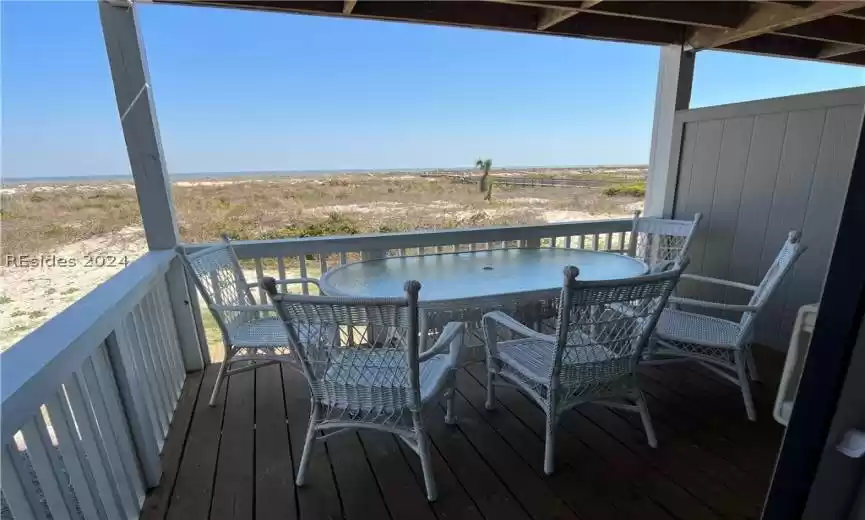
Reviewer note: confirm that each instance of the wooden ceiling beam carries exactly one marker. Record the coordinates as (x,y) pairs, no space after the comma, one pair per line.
(856,58)
(551,16)
(784,46)
(801,30)
(831,50)
(766,18)
(720,14)
(618,29)
(858,14)
(493,15)
(833,29)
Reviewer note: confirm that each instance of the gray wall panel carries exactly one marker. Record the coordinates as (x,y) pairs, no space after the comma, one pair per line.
(759,182)
(704,167)
(789,200)
(726,199)
(831,177)
(756,171)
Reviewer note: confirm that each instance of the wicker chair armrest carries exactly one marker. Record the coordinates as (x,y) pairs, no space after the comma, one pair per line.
(718,281)
(453,330)
(712,305)
(491,319)
(242,308)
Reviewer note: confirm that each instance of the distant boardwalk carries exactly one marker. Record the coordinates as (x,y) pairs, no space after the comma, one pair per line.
(510,180)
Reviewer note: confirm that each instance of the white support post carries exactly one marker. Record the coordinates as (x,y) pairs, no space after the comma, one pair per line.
(132,90)
(675,76)
(138,119)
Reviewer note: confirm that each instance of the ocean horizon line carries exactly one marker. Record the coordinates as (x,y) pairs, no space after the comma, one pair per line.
(298,173)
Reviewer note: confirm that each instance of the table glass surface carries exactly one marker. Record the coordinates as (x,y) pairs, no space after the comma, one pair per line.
(450,276)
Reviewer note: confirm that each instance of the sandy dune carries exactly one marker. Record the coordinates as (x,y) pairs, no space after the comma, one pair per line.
(32,295)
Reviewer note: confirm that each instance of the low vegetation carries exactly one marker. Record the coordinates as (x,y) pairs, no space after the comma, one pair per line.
(637,189)
(36,219)
(102,218)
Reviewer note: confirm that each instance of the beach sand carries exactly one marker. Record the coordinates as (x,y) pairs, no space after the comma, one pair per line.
(30,296)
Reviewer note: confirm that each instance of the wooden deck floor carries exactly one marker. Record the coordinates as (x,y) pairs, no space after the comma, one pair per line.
(237,460)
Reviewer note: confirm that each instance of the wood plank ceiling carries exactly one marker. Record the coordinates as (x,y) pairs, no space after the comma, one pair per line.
(816,30)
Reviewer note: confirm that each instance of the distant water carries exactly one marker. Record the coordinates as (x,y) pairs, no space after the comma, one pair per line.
(86,179)
(207,175)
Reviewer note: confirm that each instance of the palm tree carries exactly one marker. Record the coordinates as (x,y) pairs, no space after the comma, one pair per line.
(485,165)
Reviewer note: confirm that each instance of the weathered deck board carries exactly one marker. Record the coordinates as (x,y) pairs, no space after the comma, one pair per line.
(403,496)
(235,472)
(589,492)
(239,459)
(318,498)
(156,505)
(274,474)
(193,489)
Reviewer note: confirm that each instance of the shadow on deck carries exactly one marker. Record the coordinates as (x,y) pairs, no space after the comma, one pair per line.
(237,460)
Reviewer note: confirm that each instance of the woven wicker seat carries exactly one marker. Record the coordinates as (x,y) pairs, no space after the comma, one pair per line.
(251,339)
(371,373)
(592,356)
(722,346)
(697,328)
(263,333)
(535,358)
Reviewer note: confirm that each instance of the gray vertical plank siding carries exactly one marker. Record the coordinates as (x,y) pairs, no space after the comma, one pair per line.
(764,157)
(726,198)
(703,168)
(756,171)
(703,172)
(789,201)
(831,177)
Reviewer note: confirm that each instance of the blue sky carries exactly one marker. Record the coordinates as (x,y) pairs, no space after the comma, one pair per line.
(240,91)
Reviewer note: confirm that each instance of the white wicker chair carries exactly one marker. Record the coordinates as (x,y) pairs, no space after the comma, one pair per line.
(249,335)
(593,355)
(656,240)
(372,374)
(721,345)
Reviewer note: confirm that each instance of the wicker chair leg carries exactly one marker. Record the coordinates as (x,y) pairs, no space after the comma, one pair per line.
(220,376)
(745,385)
(491,390)
(647,421)
(450,418)
(307,445)
(550,445)
(423,450)
(752,365)
(651,348)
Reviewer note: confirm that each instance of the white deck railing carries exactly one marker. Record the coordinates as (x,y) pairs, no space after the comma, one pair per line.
(88,399)
(313,256)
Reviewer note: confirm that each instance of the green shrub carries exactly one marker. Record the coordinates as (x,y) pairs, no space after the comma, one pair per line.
(336,224)
(637,189)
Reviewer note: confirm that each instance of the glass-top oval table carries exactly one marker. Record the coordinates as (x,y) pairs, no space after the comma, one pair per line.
(463,286)
(471,274)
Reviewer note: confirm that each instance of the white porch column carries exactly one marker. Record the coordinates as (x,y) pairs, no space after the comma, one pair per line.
(131,78)
(675,75)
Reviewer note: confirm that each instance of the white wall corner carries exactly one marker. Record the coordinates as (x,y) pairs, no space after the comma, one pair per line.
(675,77)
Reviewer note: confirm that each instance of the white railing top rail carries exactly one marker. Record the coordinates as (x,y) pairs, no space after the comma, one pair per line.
(32,369)
(423,238)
